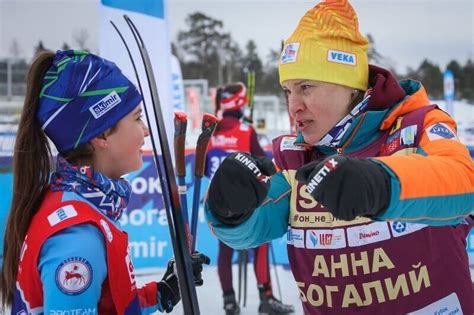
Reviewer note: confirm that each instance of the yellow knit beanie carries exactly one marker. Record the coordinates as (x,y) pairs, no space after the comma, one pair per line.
(327,46)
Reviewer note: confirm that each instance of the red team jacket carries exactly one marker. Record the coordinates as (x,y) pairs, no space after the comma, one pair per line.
(119,291)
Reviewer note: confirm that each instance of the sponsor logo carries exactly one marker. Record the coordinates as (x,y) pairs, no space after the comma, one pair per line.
(392,137)
(325,239)
(321,174)
(61,214)
(290,53)
(251,166)
(342,57)
(368,234)
(129,264)
(448,305)
(288,144)
(403,228)
(222,141)
(396,126)
(77,311)
(106,228)
(104,105)
(441,131)
(74,275)
(295,237)
(408,135)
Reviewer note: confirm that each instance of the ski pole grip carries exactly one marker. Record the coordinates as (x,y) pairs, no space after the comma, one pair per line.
(180,124)
(209,124)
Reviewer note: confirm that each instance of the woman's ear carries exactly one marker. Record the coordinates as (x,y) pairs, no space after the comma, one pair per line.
(99,142)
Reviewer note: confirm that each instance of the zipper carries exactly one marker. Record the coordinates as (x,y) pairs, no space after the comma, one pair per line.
(356,128)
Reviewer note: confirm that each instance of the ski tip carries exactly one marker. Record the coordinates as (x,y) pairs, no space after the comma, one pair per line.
(180,116)
(210,117)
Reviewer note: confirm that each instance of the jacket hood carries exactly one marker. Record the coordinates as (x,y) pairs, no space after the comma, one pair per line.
(407,95)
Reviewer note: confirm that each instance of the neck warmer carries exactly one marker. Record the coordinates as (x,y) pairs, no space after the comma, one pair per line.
(109,196)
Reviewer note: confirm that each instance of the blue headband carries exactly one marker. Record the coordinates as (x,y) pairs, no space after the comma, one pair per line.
(83,95)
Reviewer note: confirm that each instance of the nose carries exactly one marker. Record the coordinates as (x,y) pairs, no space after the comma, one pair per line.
(295,104)
(146,131)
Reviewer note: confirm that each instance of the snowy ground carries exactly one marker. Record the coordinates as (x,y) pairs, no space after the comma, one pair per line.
(210,294)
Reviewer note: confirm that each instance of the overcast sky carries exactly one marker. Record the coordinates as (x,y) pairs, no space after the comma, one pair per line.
(406,31)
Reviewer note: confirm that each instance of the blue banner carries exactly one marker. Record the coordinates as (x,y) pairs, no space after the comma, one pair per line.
(149,7)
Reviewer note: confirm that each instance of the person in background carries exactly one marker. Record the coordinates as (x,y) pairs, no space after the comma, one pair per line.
(64,250)
(375,190)
(233,135)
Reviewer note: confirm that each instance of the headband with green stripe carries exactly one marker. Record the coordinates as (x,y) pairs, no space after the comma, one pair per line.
(82,96)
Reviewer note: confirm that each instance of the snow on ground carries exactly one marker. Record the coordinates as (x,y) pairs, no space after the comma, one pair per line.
(210,294)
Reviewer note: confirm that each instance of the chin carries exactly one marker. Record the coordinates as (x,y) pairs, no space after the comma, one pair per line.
(310,139)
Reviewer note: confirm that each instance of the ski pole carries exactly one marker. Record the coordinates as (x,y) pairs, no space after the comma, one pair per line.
(180,125)
(166,175)
(242,261)
(250,93)
(209,124)
(272,252)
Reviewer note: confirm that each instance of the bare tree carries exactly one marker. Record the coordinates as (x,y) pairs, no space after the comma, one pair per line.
(15,49)
(81,37)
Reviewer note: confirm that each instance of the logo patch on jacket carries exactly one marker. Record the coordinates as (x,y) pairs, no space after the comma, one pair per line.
(61,214)
(408,135)
(441,131)
(288,144)
(74,275)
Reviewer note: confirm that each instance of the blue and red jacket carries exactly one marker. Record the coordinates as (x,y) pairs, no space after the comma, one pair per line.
(75,260)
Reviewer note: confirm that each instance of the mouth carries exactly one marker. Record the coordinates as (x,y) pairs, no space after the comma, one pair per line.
(303,124)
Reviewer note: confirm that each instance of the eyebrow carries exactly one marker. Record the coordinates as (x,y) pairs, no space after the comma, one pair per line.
(301,82)
(298,83)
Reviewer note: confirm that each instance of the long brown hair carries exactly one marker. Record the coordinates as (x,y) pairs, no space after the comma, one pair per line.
(31,170)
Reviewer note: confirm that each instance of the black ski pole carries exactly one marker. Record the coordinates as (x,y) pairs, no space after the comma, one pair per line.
(167,179)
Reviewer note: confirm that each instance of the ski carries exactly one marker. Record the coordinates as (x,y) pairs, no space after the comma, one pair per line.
(167,179)
(209,124)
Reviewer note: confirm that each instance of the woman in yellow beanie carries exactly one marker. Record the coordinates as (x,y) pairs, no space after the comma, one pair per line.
(375,190)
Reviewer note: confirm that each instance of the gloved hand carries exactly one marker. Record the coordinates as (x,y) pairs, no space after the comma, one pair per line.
(347,187)
(168,288)
(239,186)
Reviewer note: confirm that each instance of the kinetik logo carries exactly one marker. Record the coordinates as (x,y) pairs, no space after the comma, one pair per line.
(321,174)
(105,104)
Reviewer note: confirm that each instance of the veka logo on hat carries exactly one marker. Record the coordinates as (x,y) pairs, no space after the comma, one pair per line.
(289,53)
(105,104)
(342,57)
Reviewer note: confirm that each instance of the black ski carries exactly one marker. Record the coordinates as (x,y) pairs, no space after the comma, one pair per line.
(167,179)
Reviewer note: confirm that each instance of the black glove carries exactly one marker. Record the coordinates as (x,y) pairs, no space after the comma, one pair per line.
(239,186)
(347,187)
(168,288)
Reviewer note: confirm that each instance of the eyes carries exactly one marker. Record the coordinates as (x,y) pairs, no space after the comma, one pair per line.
(303,88)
